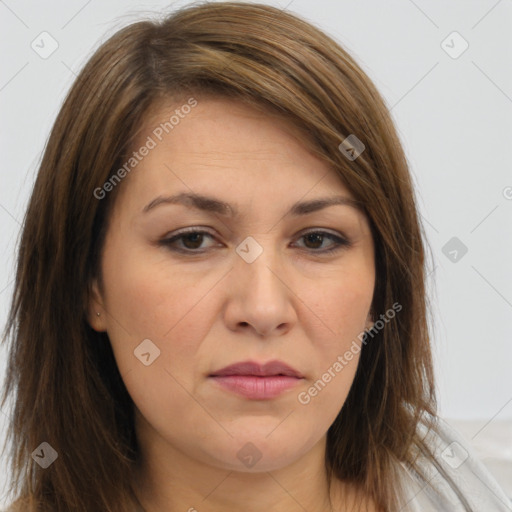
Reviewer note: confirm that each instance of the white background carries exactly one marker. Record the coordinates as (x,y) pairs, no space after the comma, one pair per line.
(454,116)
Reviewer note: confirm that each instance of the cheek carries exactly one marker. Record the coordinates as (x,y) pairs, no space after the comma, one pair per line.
(147,299)
(343,304)
(147,296)
(325,395)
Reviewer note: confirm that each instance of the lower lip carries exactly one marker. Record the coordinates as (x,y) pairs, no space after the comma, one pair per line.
(257,388)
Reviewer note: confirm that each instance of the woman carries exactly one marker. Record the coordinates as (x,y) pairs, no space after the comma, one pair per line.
(220,298)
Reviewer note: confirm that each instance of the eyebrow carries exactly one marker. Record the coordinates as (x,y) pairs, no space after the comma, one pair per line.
(211,204)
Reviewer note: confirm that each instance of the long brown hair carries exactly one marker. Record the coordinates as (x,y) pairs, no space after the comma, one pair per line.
(62,375)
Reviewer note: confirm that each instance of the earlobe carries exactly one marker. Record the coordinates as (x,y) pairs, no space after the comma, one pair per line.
(369,323)
(96,315)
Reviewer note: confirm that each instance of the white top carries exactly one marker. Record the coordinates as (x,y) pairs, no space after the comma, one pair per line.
(471,477)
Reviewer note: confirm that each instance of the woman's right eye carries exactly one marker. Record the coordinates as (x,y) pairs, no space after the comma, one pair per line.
(190,240)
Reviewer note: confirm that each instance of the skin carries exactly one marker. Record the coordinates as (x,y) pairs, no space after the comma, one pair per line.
(210,309)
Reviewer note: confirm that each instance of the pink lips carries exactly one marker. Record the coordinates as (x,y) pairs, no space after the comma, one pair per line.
(255,381)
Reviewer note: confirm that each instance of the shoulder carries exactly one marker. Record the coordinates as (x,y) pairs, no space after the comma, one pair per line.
(20,505)
(455,478)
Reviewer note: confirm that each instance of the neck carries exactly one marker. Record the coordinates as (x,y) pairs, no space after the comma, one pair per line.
(167,480)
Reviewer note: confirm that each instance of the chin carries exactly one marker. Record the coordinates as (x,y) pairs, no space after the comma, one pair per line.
(259,452)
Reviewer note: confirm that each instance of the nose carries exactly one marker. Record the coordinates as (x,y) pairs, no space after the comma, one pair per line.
(259,298)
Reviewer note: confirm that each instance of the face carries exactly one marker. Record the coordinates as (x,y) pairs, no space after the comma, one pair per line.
(191,287)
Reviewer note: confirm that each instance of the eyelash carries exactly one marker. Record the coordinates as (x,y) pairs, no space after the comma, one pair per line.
(340,243)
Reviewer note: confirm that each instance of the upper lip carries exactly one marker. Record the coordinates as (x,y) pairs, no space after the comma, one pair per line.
(261,370)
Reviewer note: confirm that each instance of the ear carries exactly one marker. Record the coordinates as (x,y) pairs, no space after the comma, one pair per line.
(96,313)
(369,322)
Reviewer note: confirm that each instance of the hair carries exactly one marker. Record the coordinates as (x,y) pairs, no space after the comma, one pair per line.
(62,374)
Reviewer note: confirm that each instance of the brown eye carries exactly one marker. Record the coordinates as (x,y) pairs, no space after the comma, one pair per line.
(190,241)
(315,239)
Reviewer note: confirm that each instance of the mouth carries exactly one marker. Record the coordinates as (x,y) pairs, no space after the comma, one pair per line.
(249,368)
(256,381)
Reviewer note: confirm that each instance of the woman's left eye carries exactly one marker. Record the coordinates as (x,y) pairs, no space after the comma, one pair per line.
(191,240)
(319,237)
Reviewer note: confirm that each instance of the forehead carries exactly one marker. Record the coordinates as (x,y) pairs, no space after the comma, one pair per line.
(218,130)
(217,119)
(226,147)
